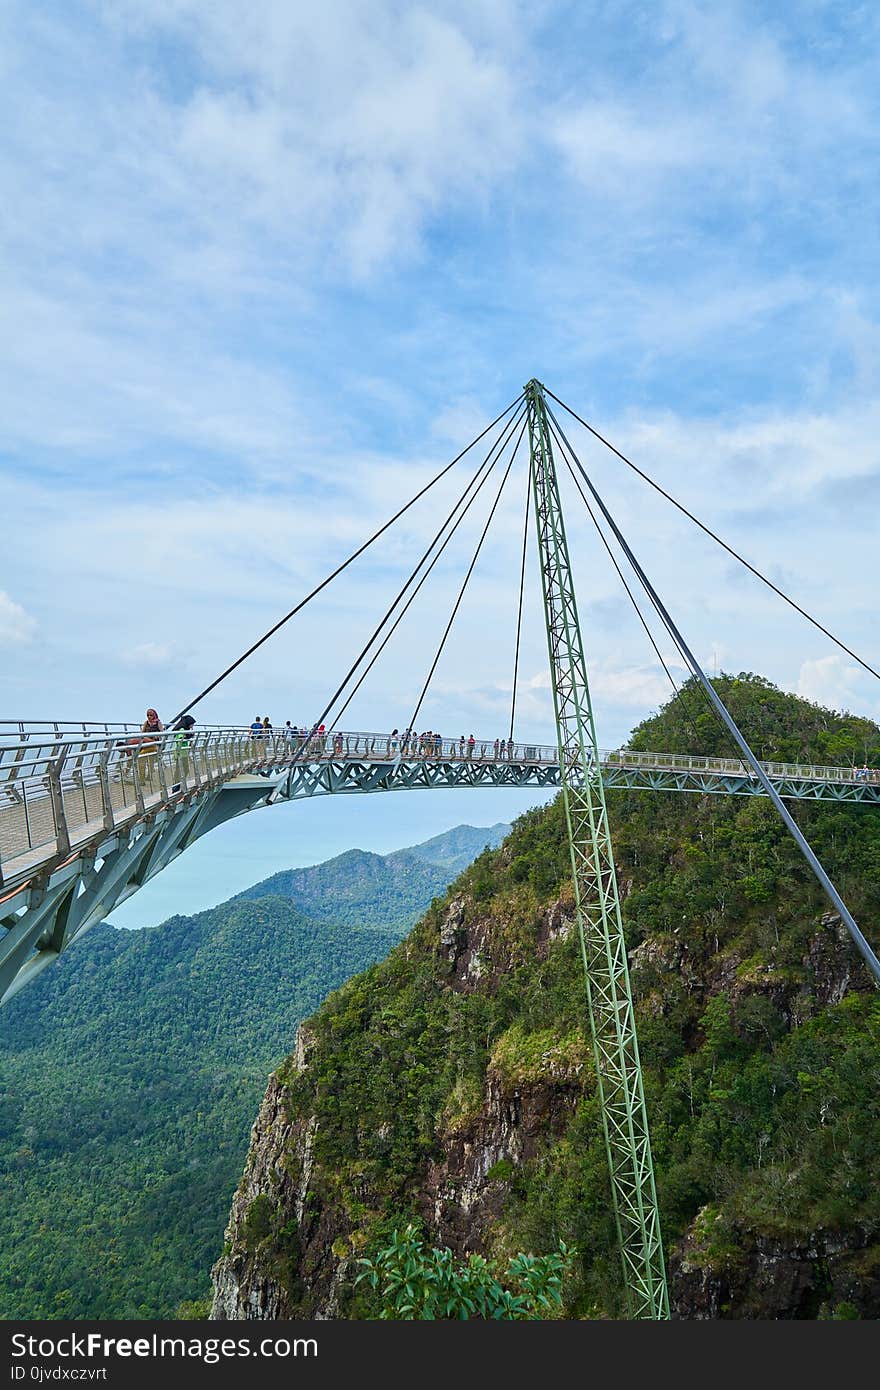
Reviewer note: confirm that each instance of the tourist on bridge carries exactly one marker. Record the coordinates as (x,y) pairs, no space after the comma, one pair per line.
(395,738)
(502,750)
(152,723)
(146,753)
(461,745)
(267,727)
(183,732)
(471,745)
(257,727)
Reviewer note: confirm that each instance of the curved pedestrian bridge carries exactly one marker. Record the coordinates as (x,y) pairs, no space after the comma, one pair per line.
(89,813)
(67,789)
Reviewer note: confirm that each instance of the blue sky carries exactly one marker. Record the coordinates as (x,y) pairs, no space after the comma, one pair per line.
(265,267)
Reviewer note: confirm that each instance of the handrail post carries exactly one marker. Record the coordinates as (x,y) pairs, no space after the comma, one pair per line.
(136,783)
(160,768)
(104,782)
(62,834)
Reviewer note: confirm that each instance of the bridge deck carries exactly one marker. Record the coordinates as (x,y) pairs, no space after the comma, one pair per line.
(66,792)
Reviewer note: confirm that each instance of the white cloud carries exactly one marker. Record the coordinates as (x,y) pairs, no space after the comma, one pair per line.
(611,147)
(17,627)
(743,461)
(632,687)
(266,262)
(340,129)
(461,420)
(832,681)
(161,655)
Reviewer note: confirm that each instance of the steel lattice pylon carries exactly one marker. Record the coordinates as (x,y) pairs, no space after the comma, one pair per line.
(597,903)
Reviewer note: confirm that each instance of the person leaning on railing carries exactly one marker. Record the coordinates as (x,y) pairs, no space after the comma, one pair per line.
(146,749)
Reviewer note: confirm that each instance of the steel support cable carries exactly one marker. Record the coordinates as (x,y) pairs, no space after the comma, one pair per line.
(471,567)
(621,576)
(299,756)
(402,614)
(715,537)
(657,610)
(497,448)
(345,564)
(696,669)
(522,585)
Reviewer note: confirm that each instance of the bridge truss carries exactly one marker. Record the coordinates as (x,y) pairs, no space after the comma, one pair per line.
(597,899)
(83,824)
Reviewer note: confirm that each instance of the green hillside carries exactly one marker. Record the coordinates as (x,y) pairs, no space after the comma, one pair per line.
(452,1084)
(130,1073)
(456,849)
(388,891)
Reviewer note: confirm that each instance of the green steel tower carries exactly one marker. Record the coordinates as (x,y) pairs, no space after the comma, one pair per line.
(597,903)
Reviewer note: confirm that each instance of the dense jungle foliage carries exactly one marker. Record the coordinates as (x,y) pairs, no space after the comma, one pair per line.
(759,1028)
(131,1072)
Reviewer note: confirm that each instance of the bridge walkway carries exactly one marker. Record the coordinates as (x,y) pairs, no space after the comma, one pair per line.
(71,789)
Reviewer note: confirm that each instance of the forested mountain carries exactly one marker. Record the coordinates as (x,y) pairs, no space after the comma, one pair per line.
(456,849)
(452,1084)
(388,890)
(130,1073)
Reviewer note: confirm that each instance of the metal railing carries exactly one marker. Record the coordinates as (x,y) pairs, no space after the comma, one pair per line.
(58,793)
(14,731)
(61,788)
(737,767)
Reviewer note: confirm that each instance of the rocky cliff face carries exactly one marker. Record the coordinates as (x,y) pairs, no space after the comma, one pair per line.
(263,1278)
(289,1251)
(777,1279)
(461,1194)
(453,1084)
(241,1289)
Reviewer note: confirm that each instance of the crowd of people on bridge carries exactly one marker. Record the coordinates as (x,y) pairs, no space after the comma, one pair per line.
(400,743)
(430,744)
(143,753)
(404,743)
(291,733)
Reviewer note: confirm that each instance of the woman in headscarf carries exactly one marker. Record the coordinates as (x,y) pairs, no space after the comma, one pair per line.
(151,725)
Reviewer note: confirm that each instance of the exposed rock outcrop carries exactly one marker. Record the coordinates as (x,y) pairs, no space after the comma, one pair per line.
(777,1279)
(243,1287)
(455,1082)
(289,1250)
